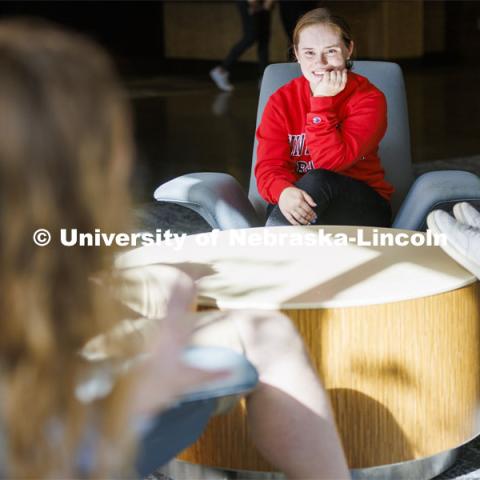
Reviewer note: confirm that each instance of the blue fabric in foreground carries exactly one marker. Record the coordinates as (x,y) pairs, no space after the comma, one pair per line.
(171,432)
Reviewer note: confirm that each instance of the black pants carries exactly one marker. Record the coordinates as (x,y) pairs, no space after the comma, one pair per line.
(340,200)
(256,28)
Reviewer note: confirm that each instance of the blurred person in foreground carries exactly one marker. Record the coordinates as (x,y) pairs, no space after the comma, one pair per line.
(65,159)
(65,163)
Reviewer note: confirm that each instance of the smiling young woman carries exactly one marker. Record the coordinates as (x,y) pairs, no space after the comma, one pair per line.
(317,159)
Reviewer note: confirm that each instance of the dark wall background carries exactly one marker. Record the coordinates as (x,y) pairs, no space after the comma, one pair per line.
(131,31)
(135,31)
(463,30)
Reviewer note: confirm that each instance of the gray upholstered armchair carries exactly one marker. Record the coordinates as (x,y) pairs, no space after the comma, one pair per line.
(221,201)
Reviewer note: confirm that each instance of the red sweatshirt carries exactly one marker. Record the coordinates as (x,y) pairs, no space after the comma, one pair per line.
(299,132)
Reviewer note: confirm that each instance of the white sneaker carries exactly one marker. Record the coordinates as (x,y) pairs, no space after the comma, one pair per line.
(220,77)
(463,242)
(467,214)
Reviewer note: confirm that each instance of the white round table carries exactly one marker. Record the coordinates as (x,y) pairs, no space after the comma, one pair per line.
(393,331)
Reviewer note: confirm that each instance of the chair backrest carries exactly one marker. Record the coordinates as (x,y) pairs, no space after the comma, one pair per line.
(395,146)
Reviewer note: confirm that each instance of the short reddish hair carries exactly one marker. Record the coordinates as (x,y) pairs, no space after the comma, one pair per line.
(325,17)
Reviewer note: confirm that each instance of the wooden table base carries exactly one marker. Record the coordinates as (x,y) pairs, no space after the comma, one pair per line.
(403,378)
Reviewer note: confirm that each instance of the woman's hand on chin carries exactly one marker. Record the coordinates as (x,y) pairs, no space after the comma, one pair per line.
(330,84)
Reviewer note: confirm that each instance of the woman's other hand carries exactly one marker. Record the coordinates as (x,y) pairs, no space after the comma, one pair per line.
(296,206)
(331,84)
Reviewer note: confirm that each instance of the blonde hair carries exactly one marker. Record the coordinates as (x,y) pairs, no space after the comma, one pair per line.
(64,163)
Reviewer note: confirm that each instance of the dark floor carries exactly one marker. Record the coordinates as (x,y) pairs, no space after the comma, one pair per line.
(183,124)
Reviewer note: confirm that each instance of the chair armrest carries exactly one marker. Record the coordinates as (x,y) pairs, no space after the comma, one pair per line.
(217,197)
(439,189)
